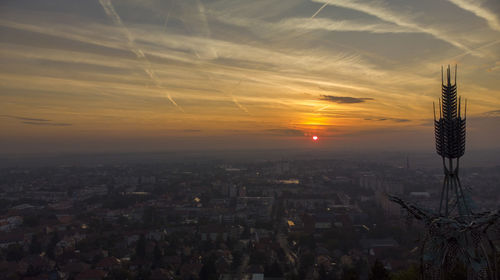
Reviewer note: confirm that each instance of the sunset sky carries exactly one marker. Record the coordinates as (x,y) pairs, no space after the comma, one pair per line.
(147,75)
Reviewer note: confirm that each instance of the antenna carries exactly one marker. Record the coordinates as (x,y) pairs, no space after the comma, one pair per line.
(448,75)
(455,74)
(465,113)
(434,110)
(440,108)
(441,74)
(459,102)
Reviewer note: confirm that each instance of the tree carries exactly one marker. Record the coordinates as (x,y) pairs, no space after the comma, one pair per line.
(273,270)
(14,253)
(157,255)
(140,248)
(52,245)
(236,260)
(257,257)
(143,274)
(350,273)
(379,272)
(208,271)
(31,221)
(411,273)
(35,246)
(148,216)
(119,274)
(322,273)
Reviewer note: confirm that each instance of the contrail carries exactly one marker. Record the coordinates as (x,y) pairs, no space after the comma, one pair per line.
(168,15)
(319,10)
(230,93)
(235,101)
(239,105)
(166,21)
(460,56)
(207,34)
(206,29)
(322,108)
(111,13)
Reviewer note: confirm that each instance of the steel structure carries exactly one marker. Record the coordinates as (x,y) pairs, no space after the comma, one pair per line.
(450,145)
(455,237)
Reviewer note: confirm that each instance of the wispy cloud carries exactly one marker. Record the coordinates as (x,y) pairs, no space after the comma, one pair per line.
(25,118)
(344,99)
(380,10)
(476,8)
(343,25)
(35,121)
(304,23)
(493,113)
(387,119)
(286,131)
(110,11)
(47,123)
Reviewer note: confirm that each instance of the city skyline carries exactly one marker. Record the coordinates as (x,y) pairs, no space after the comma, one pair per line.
(162,75)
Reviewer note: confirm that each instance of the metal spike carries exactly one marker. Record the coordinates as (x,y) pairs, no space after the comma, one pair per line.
(434,109)
(448,75)
(440,109)
(465,113)
(455,74)
(459,101)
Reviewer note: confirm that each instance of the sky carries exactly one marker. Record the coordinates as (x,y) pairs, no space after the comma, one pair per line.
(151,75)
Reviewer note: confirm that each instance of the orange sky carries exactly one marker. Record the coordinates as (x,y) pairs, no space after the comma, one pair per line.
(160,75)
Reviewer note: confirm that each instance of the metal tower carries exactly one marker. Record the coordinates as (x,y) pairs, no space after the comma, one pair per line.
(450,145)
(455,237)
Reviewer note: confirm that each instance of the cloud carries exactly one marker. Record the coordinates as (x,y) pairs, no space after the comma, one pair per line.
(400,120)
(303,23)
(47,123)
(493,113)
(380,10)
(286,131)
(344,99)
(494,68)
(25,118)
(387,119)
(35,121)
(111,13)
(476,8)
(343,25)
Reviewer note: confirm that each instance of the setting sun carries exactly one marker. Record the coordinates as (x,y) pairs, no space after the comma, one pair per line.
(315,138)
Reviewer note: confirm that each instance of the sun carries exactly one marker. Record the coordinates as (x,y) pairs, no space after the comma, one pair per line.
(315,138)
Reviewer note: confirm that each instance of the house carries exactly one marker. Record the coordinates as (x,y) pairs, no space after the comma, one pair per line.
(75,267)
(322,222)
(10,223)
(190,270)
(7,239)
(213,231)
(108,264)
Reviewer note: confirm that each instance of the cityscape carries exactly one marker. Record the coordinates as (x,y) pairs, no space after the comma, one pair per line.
(249,140)
(276,219)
